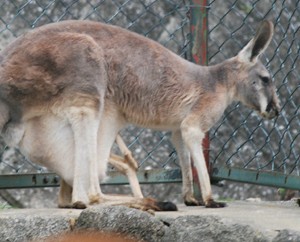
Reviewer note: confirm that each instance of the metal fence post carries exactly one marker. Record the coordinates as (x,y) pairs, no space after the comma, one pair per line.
(199,34)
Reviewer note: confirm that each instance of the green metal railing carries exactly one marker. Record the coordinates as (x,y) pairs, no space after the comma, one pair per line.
(242,147)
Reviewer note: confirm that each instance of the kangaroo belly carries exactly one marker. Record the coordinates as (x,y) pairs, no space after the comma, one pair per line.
(48,141)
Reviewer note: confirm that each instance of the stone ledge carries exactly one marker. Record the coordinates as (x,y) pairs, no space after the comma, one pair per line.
(240,221)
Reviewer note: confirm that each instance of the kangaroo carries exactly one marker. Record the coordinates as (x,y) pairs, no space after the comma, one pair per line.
(67,88)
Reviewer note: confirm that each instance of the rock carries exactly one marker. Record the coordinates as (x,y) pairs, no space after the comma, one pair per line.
(142,225)
(210,228)
(26,225)
(123,220)
(287,235)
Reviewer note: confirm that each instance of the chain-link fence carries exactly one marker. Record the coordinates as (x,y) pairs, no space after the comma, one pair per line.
(241,139)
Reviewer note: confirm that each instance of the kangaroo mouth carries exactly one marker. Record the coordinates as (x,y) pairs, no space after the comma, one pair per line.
(271,112)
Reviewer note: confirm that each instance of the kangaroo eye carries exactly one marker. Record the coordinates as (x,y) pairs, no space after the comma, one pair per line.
(265,79)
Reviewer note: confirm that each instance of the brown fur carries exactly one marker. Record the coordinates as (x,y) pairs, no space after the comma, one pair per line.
(66,89)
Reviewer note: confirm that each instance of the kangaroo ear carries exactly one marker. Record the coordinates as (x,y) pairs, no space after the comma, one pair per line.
(258,44)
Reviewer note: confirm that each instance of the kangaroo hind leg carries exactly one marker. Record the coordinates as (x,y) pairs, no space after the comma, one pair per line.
(85,123)
(83,106)
(65,195)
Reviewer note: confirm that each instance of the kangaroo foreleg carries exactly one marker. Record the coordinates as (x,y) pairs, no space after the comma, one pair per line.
(193,137)
(127,165)
(123,166)
(186,170)
(126,153)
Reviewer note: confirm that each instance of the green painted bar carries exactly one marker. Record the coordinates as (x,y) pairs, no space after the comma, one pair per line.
(272,179)
(147,177)
(28,180)
(115,178)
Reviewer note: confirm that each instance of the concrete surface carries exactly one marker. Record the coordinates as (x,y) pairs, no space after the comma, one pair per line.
(268,217)
(264,221)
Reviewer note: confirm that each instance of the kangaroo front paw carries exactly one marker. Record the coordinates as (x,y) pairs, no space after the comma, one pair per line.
(212,204)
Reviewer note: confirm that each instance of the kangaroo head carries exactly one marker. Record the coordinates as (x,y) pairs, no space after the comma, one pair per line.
(255,87)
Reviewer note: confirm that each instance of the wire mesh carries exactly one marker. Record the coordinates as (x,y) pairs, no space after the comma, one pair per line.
(240,138)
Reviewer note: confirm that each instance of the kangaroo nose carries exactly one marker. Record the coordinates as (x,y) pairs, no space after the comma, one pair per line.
(269,107)
(272,109)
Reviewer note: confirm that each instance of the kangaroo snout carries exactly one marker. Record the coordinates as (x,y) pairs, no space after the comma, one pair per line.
(272,110)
